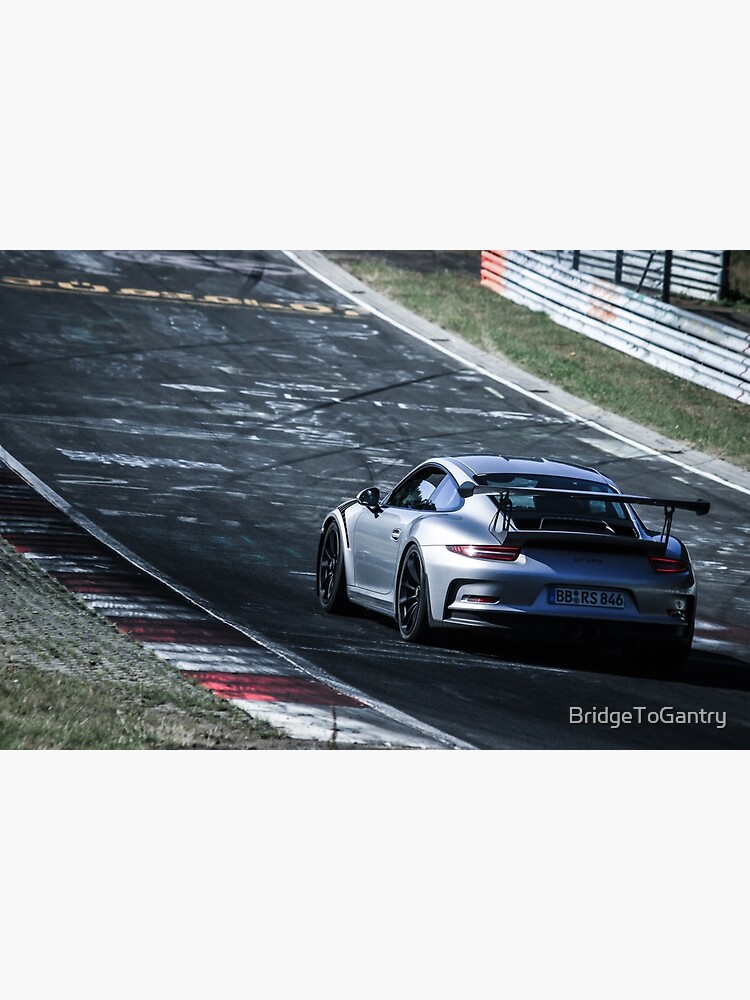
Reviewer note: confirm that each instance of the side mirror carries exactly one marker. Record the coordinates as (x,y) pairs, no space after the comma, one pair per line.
(370,498)
(466,489)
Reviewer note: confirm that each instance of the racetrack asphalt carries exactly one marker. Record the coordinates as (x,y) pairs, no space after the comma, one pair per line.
(205,409)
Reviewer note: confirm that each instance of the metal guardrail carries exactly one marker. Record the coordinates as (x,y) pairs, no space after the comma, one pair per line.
(698,274)
(700,350)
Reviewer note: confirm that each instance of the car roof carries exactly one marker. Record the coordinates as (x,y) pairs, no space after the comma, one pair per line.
(482,465)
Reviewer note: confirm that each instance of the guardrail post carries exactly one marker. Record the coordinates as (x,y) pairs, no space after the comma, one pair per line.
(576,259)
(618,267)
(723,289)
(667,279)
(645,270)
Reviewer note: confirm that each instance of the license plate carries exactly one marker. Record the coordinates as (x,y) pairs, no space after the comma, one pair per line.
(585,598)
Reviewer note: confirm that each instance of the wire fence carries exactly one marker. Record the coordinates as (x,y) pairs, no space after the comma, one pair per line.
(698,274)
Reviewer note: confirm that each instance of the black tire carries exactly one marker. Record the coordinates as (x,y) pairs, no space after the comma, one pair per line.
(331,573)
(664,655)
(412,599)
(672,655)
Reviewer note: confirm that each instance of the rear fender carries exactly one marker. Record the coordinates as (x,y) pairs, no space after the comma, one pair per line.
(434,601)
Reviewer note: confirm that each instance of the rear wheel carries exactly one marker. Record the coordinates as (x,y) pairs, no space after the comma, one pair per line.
(664,654)
(671,655)
(412,599)
(331,572)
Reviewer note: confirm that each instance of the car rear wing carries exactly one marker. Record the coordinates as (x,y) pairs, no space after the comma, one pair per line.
(669,506)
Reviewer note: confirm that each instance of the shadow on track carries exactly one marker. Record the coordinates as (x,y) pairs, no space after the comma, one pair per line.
(701,669)
(704,668)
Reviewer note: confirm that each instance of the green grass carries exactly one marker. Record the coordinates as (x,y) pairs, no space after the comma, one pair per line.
(70,680)
(739,277)
(685,412)
(44,709)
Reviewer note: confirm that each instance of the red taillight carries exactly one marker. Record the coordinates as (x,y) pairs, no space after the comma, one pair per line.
(662,565)
(500,553)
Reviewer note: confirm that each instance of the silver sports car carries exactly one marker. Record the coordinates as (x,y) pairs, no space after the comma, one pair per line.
(522,545)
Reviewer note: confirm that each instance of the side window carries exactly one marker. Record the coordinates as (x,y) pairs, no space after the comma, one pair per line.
(416,492)
(446,496)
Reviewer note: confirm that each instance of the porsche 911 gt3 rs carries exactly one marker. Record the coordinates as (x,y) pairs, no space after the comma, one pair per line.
(520,545)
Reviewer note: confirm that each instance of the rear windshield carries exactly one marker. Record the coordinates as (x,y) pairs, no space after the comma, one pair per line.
(530,509)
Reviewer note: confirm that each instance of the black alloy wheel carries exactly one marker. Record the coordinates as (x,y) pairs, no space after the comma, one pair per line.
(412,598)
(331,573)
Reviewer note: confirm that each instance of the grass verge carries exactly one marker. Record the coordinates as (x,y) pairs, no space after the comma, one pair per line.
(455,301)
(69,680)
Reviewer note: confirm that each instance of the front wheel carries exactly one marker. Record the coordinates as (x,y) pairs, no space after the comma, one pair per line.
(412,599)
(331,572)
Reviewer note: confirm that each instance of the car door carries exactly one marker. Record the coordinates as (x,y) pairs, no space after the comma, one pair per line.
(377,544)
(379,539)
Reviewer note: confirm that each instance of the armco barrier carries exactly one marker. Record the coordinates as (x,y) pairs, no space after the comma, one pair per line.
(702,351)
